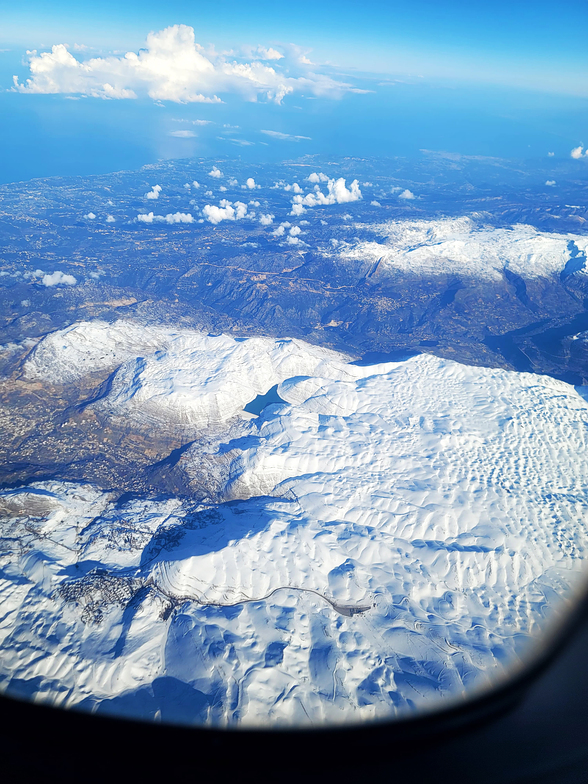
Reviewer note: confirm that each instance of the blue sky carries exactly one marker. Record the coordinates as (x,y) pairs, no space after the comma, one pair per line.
(380,78)
(498,41)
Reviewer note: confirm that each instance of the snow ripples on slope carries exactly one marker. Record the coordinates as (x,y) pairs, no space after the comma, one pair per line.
(387,538)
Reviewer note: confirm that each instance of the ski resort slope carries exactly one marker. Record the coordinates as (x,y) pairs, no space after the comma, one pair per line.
(387,539)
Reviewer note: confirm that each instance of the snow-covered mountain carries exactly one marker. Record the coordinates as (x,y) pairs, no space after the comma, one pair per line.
(170,376)
(463,247)
(385,539)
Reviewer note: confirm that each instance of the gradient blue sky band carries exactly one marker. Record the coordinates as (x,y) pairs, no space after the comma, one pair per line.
(533,44)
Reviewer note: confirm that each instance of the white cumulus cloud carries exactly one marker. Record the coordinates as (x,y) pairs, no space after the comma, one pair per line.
(577,152)
(266,220)
(406,194)
(317,177)
(58,278)
(171,217)
(251,183)
(90,216)
(281,230)
(172,66)
(550,182)
(338,193)
(154,192)
(215,172)
(226,210)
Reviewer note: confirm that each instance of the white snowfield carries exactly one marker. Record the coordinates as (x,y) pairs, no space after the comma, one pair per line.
(461,246)
(389,539)
(180,377)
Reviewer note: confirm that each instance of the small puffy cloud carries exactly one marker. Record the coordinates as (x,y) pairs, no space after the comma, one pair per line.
(183,134)
(90,216)
(281,230)
(38,273)
(294,240)
(222,188)
(338,193)
(550,182)
(58,278)
(154,192)
(215,172)
(233,182)
(170,218)
(324,222)
(250,183)
(375,203)
(179,217)
(254,204)
(226,210)
(297,210)
(286,137)
(110,219)
(317,177)
(195,184)
(266,220)
(577,152)
(406,194)
(294,187)
(208,193)
(295,231)
(551,154)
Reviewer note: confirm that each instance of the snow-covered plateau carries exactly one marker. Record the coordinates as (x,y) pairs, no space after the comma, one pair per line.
(386,539)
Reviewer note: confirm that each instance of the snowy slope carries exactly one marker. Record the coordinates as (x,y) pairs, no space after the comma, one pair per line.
(182,377)
(460,246)
(389,538)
